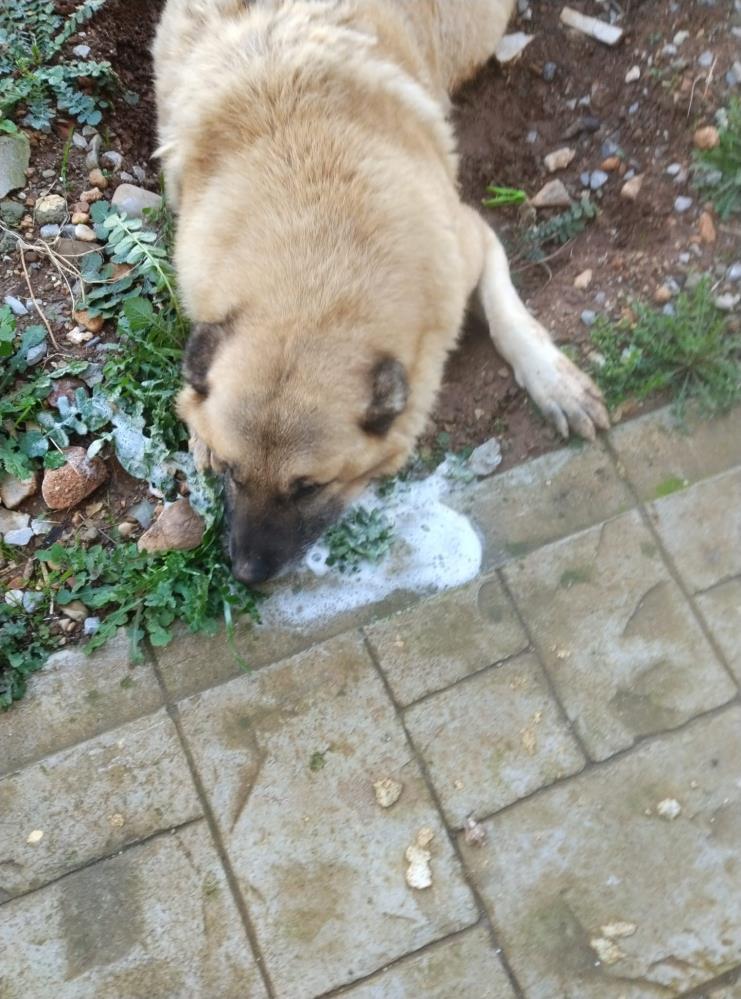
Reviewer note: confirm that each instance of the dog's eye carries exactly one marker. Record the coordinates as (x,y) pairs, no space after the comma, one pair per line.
(304,488)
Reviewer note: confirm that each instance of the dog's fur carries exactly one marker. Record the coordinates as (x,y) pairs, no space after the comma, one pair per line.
(322,249)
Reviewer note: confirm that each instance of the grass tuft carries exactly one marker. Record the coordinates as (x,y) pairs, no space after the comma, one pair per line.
(718,171)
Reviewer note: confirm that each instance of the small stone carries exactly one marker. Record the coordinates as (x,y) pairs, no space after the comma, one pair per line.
(588,317)
(35,837)
(549,72)
(91,196)
(39,526)
(15,305)
(733,76)
(91,160)
(559,159)
(75,610)
(733,274)
(601,31)
(668,808)
(673,169)
(680,38)
(682,204)
(73,249)
(418,873)
(50,208)
(92,323)
(81,51)
(77,336)
(35,354)
(11,212)
(726,302)
(598,179)
(14,491)
(80,218)
(143,513)
(706,59)
(134,200)
(486,458)
(67,486)
(11,520)
(387,791)
(552,195)
(98,179)
(32,600)
(618,930)
(49,231)
(85,233)
(79,141)
(474,833)
(582,281)
(90,625)
(178,527)
(113,160)
(662,295)
(607,951)
(126,529)
(706,228)
(610,164)
(15,152)
(706,137)
(511,46)
(633,74)
(19,538)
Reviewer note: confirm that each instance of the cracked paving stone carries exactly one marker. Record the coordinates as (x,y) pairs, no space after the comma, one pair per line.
(623,650)
(721,607)
(432,645)
(592,852)
(493,739)
(156,920)
(463,966)
(288,756)
(91,800)
(701,528)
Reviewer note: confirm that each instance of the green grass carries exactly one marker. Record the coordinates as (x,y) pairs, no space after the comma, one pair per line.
(692,355)
(718,171)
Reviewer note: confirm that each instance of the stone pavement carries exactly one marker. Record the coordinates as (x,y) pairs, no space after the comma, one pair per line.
(183,829)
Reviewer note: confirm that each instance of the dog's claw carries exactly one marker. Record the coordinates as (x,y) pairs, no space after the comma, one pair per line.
(567,397)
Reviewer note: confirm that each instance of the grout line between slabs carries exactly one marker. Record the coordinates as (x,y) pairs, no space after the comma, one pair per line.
(422,764)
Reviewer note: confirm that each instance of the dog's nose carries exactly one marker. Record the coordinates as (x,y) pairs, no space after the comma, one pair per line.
(254,569)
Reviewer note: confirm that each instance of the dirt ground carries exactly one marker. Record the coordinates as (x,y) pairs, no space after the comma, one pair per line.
(508,119)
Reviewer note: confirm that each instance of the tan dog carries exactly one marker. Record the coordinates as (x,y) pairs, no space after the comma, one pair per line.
(322,249)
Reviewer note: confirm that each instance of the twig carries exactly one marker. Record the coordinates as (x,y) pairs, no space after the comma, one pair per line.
(33,299)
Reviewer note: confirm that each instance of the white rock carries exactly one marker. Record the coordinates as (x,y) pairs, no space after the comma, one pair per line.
(582,281)
(81,51)
(20,538)
(78,336)
(85,233)
(12,520)
(618,930)
(559,159)
(15,305)
(486,458)
(133,200)
(112,159)
(14,598)
(601,31)
(387,791)
(726,302)
(681,37)
(14,491)
(682,204)
(633,74)
(607,951)
(669,808)
(552,195)
(418,873)
(510,46)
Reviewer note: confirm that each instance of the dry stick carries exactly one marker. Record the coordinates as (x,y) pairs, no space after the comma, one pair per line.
(33,299)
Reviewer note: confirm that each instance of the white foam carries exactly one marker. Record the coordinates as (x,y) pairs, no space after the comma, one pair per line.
(434,548)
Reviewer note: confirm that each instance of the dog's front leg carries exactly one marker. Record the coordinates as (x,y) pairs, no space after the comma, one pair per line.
(563,393)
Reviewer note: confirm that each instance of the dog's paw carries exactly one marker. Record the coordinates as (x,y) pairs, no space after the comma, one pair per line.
(565,395)
(201,453)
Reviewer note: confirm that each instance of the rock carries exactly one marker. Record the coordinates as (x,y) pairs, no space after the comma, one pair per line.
(662,295)
(588,317)
(418,873)
(77,336)
(133,200)
(20,538)
(98,179)
(50,208)
(680,38)
(733,274)
(142,512)
(610,164)
(733,76)
(668,808)
(67,486)
(74,248)
(633,74)
(387,791)
(15,152)
(92,323)
(81,51)
(474,833)
(632,188)
(35,354)
(178,527)
(552,195)
(49,231)
(80,218)
(706,228)
(706,59)
(39,526)
(682,204)
(582,281)
(511,46)
(486,458)
(84,233)
(113,160)
(549,72)
(559,159)
(601,31)
(91,196)
(75,610)
(65,388)
(11,212)
(79,141)
(14,491)
(598,179)
(726,302)
(11,520)
(91,160)
(90,625)
(126,529)
(15,305)
(706,137)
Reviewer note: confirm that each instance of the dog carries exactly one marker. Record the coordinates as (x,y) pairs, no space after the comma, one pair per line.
(322,250)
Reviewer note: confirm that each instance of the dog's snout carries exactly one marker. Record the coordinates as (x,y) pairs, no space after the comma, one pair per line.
(251,568)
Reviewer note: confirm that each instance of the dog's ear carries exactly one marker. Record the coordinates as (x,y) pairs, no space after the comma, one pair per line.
(199,354)
(389,394)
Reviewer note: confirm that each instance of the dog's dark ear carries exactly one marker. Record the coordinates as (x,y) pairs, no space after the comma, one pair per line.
(199,353)
(389,394)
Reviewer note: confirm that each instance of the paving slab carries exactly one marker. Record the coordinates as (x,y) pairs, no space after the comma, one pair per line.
(659,454)
(624,652)
(289,756)
(89,801)
(721,607)
(595,895)
(730,991)
(465,966)
(75,697)
(701,528)
(434,644)
(155,921)
(492,739)
(544,499)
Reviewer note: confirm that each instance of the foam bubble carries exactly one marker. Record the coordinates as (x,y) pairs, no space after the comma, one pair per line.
(435,548)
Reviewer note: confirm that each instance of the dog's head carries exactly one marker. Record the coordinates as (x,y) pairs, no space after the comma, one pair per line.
(296,427)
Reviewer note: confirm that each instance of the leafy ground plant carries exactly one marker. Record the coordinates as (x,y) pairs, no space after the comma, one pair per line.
(691,354)
(557,230)
(718,171)
(37,79)
(361,536)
